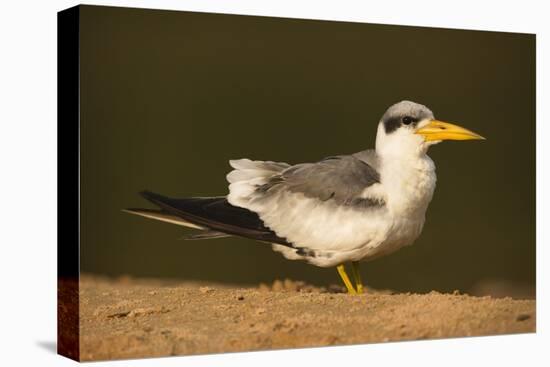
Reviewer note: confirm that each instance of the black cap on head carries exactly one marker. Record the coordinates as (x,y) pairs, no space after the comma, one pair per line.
(405,113)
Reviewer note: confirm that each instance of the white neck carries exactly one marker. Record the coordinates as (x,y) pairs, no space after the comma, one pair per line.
(407,174)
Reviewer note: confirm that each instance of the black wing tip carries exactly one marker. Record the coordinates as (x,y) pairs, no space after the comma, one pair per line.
(154,198)
(148,194)
(214,213)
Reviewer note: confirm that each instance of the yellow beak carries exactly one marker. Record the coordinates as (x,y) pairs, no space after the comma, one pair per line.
(439,130)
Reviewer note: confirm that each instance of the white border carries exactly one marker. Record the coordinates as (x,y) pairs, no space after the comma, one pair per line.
(28,180)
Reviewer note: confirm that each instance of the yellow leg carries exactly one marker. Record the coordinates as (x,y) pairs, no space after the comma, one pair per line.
(345,279)
(357,276)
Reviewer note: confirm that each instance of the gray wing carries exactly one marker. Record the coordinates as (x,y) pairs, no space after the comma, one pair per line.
(297,202)
(340,178)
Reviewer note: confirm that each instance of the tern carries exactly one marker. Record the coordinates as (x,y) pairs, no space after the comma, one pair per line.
(341,209)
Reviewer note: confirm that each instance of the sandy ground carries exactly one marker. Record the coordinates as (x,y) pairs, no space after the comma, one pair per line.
(134,318)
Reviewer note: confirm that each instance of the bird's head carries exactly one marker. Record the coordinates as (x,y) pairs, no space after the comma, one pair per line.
(410,128)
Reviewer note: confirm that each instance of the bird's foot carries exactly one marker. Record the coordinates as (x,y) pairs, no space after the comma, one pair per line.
(342,271)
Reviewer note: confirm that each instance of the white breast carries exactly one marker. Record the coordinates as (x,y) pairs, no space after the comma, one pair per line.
(409,186)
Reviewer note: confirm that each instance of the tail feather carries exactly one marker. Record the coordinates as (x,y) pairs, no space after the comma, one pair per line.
(213,214)
(205,235)
(162,216)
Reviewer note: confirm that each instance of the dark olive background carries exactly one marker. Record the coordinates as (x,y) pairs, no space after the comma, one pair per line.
(167,98)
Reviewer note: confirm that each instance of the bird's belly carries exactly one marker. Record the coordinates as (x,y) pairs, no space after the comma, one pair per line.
(403,232)
(328,236)
(325,226)
(375,236)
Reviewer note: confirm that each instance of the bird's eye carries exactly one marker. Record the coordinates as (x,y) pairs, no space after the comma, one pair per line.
(407,120)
